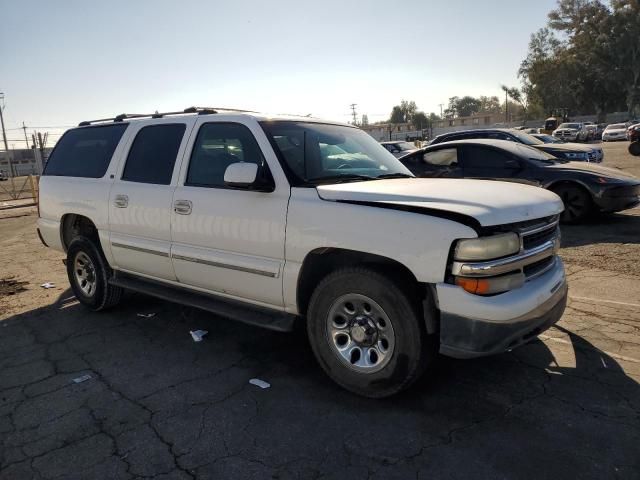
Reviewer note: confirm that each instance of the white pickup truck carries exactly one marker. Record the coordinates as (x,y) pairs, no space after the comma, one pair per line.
(270,220)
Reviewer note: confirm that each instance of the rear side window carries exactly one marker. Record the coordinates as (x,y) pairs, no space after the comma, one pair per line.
(442,158)
(153,154)
(85,152)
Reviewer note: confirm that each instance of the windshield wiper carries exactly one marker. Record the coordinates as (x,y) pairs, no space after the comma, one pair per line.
(395,175)
(341,178)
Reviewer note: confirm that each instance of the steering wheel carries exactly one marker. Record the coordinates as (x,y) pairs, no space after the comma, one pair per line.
(343,166)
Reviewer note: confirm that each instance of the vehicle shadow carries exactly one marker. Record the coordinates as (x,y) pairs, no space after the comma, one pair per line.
(604,228)
(147,371)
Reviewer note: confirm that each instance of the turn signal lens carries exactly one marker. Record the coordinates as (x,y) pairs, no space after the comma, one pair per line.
(473,285)
(491,285)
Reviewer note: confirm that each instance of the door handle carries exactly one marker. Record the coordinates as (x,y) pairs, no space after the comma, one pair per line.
(182,207)
(121,201)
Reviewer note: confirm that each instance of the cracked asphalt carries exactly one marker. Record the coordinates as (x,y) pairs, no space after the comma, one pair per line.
(160,405)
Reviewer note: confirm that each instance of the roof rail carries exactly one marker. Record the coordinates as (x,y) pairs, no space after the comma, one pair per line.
(129,116)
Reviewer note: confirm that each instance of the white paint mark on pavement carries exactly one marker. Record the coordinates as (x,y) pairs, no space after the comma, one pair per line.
(600,300)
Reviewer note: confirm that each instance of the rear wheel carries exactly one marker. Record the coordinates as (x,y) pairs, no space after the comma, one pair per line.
(366,333)
(577,203)
(89,274)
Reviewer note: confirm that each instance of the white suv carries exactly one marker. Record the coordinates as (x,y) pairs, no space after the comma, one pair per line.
(260,219)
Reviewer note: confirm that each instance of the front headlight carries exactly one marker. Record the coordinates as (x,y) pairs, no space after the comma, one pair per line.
(487,248)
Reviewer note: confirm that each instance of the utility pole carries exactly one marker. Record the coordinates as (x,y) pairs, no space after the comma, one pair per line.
(441,105)
(26,139)
(4,136)
(353,111)
(506,107)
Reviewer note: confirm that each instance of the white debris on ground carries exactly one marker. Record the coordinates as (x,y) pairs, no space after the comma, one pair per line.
(197,335)
(146,315)
(82,378)
(48,285)
(259,383)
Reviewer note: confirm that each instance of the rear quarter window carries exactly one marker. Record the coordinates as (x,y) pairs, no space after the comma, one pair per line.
(85,152)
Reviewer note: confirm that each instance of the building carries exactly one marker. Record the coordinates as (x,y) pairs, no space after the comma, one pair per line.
(23,161)
(393,131)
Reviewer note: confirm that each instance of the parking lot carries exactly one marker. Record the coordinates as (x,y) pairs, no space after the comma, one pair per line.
(158,404)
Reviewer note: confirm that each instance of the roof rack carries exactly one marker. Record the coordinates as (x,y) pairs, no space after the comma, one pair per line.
(130,116)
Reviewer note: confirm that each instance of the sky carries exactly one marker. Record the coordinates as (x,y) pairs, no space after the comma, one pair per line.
(66,61)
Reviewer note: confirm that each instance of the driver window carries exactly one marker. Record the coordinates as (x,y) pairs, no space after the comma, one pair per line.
(446,157)
(217,146)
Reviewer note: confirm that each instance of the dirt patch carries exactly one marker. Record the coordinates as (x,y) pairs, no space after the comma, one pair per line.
(9,286)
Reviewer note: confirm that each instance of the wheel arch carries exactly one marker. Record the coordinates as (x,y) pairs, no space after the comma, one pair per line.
(320,262)
(72,225)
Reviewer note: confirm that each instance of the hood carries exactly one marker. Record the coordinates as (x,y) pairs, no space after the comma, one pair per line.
(615,130)
(594,169)
(489,202)
(564,147)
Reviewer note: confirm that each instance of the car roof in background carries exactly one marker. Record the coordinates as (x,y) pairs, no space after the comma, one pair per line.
(513,147)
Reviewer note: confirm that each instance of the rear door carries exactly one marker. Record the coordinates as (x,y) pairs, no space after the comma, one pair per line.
(230,240)
(141,195)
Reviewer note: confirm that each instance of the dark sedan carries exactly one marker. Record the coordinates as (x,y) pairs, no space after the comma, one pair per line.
(584,188)
(567,151)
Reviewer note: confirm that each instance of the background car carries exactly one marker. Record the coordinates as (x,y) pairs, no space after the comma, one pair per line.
(615,131)
(633,132)
(571,132)
(3,176)
(569,151)
(399,149)
(592,132)
(583,187)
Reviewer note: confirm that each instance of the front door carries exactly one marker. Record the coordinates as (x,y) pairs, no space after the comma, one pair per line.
(489,163)
(141,196)
(230,240)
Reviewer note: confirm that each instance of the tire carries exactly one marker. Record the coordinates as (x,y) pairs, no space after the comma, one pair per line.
(89,274)
(634,148)
(390,359)
(578,204)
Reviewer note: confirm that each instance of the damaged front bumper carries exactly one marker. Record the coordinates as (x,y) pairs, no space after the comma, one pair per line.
(473,325)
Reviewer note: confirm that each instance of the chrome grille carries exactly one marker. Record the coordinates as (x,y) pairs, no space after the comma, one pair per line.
(537,238)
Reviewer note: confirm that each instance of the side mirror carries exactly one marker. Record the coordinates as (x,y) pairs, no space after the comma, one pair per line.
(241,174)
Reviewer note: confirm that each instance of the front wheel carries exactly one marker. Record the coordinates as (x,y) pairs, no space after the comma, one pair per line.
(577,203)
(367,334)
(89,273)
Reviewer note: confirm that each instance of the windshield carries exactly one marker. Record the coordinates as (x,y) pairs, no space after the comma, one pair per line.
(526,138)
(616,126)
(548,138)
(314,153)
(575,126)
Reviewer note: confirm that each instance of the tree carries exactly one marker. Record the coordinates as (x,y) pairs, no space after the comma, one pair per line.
(404,112)
(365,120)
(452,109)
(467,106)
(397,116)
(420,120)
(596,65)
(489,104)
